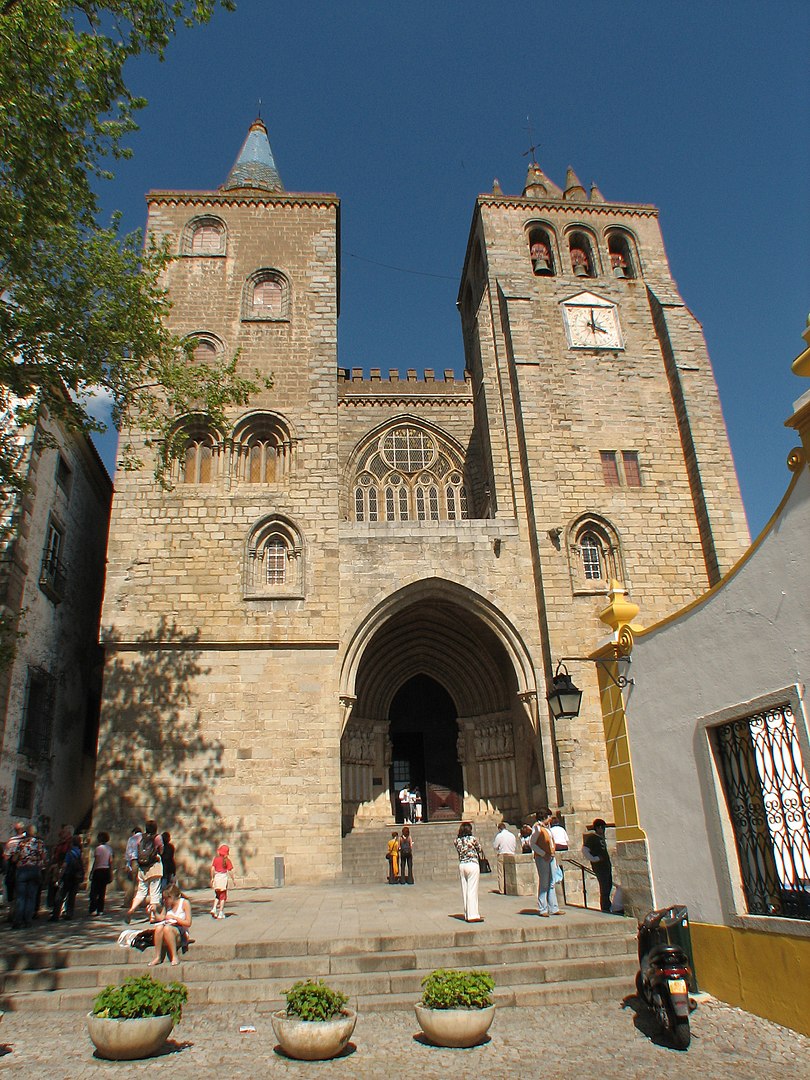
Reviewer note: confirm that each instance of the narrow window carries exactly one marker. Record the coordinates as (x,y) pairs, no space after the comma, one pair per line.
(610,467)
(433,502)
(403,504)
(591,557)
(359,507)
(632,473)
(23,799)
(63,475)
(275,561)
(390,514)
(421,513)
(451,503)
(52,571)
(35,734)
(372,504)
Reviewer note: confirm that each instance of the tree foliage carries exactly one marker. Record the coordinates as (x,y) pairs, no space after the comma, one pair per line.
(81,307)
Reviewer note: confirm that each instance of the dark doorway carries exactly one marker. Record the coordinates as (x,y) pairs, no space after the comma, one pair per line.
(424,736)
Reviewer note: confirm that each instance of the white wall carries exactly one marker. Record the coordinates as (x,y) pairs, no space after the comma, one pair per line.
(748,639)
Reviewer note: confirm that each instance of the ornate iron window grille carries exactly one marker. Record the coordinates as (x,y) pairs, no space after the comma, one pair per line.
(768,796)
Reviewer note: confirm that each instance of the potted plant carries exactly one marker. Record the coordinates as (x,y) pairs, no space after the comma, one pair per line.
(315,1025)
(456,1007)
(135,1019)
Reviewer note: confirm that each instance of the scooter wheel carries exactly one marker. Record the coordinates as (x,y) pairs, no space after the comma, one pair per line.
(681,1035)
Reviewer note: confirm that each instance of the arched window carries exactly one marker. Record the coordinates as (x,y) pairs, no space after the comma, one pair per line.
(622,262)
(594,555)
(274,560)
(195,451)
(206,347)
(205,236)
(266,297)
(409,473)
(541,252)
(262,449)
(581,252)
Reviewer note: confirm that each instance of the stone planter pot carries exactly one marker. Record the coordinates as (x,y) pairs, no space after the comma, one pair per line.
(455,1027)
(313,1040)
(125,1040)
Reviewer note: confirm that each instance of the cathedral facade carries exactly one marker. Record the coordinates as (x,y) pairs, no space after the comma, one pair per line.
(367,580)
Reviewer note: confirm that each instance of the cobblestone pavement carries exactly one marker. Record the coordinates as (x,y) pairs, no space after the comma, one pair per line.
(564,1042)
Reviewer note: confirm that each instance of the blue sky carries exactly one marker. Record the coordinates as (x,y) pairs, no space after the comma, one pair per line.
(408,111)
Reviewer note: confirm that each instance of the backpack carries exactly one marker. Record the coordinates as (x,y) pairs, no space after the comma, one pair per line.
(405,845)
(147,851)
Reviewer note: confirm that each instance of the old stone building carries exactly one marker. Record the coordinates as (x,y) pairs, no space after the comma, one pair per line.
(368,579)
(53,538)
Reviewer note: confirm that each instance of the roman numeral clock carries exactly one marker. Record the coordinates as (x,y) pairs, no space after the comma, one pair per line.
(592,323)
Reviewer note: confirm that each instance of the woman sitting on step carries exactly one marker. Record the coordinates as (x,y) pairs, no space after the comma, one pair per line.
(171,929)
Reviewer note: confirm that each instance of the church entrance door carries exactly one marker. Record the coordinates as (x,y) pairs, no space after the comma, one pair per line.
(424,743)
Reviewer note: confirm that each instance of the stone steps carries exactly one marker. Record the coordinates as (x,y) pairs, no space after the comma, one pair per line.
(539,962)
(434,857)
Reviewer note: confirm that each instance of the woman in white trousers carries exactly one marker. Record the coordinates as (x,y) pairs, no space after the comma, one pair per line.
(469,852)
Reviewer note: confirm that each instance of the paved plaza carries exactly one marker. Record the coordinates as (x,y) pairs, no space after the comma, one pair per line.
(612,1041)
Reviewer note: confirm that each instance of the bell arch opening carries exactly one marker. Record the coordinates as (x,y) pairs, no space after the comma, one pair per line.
(435,693)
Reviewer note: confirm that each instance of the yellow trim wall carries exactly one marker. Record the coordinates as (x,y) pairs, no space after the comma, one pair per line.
(620,768)
(763,973)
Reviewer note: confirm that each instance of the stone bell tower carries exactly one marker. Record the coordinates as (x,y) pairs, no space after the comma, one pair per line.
(601,425)
(219,714)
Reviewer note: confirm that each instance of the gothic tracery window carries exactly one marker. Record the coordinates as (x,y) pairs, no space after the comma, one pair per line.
(409,474)
(262,449)
(274,560)
(594,555)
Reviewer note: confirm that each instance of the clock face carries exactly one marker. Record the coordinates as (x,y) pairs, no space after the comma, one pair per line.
(592,323)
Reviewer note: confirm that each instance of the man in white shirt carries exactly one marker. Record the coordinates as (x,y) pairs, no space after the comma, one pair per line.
(505,843)
(405,804)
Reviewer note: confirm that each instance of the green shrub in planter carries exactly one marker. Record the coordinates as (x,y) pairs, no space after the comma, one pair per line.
(314,1000)
(141,996)
(444,989)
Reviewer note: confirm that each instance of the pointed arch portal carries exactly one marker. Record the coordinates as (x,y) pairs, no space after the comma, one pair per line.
(439,692)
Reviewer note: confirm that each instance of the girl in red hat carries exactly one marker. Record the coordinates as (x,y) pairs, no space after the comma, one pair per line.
(221,871)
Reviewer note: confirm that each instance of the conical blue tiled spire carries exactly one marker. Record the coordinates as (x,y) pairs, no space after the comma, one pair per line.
(255,167)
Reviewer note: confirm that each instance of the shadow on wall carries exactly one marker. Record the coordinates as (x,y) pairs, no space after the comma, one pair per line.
(154,760)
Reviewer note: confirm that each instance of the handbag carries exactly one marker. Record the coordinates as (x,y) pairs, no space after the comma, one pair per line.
(483,865)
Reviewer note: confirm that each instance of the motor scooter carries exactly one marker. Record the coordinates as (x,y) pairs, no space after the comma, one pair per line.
(663,980)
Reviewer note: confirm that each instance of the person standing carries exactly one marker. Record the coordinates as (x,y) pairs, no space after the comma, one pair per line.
(405,804)
(595,850)
(150,871)
(417,806)
(9,865)
(406,857)
(131,861)
(70,878)
(469,869)
(392,855)
(101,874)
(221,874)
(168,862)
(30,856)
(558,834)
(505,843)
(542,846)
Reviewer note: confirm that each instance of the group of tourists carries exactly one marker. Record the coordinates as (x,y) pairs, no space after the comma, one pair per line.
(31,870)
(410,804)
(544,840)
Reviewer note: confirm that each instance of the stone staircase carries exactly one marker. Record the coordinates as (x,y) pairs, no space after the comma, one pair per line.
(583,957)
(434,857)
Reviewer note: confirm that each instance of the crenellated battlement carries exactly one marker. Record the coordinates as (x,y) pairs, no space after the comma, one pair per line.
(428,376)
